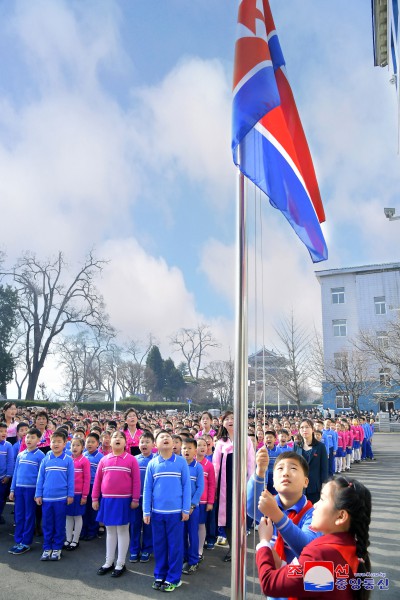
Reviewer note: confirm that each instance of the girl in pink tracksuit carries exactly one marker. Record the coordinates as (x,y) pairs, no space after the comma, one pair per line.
(117,481)
(358,433)
(340,458)
(75,510)
(348,436)
(208,495)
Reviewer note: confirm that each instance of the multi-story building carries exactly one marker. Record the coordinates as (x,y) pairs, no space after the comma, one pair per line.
(359,299)
(385,32)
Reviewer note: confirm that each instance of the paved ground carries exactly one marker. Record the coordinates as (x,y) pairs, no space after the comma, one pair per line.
(26,578)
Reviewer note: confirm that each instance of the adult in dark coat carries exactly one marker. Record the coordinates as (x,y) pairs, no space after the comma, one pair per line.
(315,454)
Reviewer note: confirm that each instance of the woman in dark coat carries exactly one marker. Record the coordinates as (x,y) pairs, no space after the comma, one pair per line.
(315,454)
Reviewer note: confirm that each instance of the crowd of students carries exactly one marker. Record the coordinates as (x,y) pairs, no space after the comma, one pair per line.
(163,486)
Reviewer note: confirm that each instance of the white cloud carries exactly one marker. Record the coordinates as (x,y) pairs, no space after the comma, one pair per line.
(187,126)
(143,293)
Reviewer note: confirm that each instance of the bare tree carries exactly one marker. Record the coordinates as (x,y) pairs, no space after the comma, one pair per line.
(349,374)
(383,348)
(79,355)
(49,301)
(132,368)
(194,345)
(294,347)
(221,373)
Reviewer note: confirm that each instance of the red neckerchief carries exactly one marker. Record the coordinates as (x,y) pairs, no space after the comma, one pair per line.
(279,546)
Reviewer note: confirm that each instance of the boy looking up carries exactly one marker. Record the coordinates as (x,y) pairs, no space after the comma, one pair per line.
(191,526)
(54,490)
(289,511)
(273,452)
(166,503)
(23,492)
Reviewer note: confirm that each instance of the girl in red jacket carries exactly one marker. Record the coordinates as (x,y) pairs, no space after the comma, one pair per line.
(343,515)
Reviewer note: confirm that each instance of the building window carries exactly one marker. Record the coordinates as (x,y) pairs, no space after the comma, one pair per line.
(383,339)
(380,305)
(384,377)
(339,327)
(342,401)
(340,360)
(337,295)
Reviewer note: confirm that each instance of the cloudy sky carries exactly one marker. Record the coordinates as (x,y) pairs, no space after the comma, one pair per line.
(115,135)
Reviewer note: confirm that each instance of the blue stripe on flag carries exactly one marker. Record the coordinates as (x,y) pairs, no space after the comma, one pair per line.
(267,168)
(255,98)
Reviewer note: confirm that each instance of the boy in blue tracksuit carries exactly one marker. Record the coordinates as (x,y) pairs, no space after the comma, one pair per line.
(166,503)
(90,527)
(22,430)
(23,487)
(54,490)
(6,467)
(273,452)
(141,548)
(191,527)
(333,445)
(367,438)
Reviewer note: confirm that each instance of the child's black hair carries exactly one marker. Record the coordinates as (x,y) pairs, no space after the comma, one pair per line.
(22,424)
(95,435)
(59,433)
(3,425)
(147,434)
(162,431)
(352,496)
(270,432)
(34,431)
(190,441)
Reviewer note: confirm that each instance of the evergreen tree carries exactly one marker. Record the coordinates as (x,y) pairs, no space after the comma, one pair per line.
(154,373)
(8,322)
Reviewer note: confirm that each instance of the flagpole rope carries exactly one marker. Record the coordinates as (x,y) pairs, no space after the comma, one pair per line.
(259,306)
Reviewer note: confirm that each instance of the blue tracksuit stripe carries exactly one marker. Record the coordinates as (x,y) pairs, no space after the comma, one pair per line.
(27,469)
(56,478)
(167,486)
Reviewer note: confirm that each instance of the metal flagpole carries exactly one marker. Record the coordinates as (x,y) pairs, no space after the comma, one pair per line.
(240,407)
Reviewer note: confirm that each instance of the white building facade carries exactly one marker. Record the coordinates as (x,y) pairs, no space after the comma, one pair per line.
(358,299)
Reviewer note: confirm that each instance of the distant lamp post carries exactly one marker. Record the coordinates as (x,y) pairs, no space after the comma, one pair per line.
(389,214)
(115,388)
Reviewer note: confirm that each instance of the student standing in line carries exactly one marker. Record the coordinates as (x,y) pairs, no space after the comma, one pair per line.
(117,482)
(166,505)
(23,487)
(54,491)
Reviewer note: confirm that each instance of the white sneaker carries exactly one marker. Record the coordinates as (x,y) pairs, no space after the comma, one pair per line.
(55,555)
(46,555)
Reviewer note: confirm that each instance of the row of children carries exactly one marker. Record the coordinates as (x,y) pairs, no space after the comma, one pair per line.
(124,492)
(346,441)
